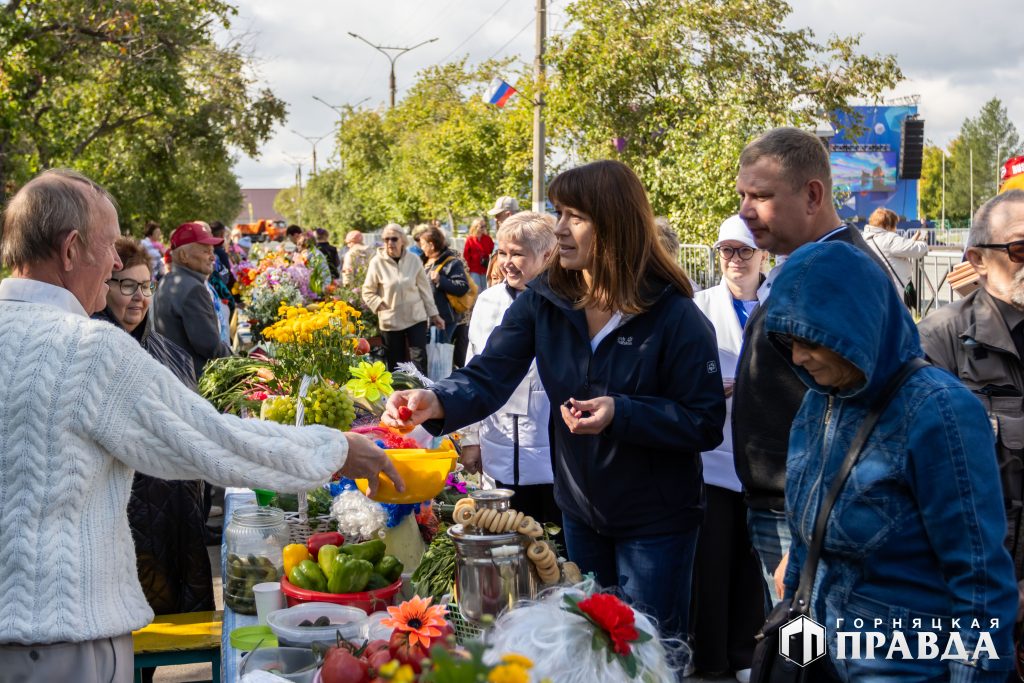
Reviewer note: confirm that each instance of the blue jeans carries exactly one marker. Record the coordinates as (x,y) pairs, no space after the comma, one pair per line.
(770,536)
(481,281)
(653,572)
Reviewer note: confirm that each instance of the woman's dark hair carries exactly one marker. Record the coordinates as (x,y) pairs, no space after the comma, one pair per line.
(627,250)
(435,237)
(132,253)
(151,227)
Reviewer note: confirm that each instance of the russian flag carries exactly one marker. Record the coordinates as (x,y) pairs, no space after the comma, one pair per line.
(500,92)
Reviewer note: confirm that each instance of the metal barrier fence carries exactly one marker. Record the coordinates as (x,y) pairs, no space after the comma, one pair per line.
(700,264)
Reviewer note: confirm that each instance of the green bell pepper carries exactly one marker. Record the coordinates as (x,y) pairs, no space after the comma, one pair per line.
(307,575)
(371,551)
(377,581)
(325,558)
(349,575)
(390,568)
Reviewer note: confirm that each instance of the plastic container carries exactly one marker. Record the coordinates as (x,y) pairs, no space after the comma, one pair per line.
(254,539)
(368,601)
(348,621)
(281,661)
(246,638)
(423,470)
(374,630)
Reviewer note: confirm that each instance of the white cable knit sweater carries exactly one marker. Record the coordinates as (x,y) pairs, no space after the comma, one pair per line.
(82,406)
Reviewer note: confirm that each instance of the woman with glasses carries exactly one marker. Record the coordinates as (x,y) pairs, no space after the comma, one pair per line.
(398,290)
(727,585)
(913,548)
(631,370)
(166,517)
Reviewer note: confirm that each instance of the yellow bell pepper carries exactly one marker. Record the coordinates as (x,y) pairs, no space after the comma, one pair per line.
(292,555)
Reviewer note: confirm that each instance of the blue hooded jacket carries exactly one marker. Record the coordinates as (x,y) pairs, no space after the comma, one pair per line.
(918,528)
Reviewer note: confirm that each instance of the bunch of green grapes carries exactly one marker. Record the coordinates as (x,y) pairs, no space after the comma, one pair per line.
(280,409)
(331,406)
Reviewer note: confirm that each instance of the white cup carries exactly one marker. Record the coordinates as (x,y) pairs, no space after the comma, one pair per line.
(269,598)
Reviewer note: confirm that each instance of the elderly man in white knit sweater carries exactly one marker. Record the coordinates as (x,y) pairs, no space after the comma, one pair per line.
(82,406)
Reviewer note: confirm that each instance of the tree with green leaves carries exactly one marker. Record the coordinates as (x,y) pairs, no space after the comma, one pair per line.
(136,93)
(930,186)
(676,88)
(975,156)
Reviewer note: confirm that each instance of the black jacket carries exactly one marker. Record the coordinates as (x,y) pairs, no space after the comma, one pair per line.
(452,280)
(642,476)
(766,399)
(183,313)
(330,253)
(167,519)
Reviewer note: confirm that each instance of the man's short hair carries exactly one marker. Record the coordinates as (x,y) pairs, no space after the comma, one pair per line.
(802,155)
(535,231)
(981,228)
(44,211)
(293,230)
(322,234)
(217,229)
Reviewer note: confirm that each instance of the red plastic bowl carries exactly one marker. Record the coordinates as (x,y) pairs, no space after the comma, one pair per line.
(369,601)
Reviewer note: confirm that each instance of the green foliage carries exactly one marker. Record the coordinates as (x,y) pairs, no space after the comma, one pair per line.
(977,145)
(687,84)
(136,94)
(930,186)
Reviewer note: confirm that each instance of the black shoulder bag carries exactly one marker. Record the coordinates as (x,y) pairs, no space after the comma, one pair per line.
(909,291)
(769,666)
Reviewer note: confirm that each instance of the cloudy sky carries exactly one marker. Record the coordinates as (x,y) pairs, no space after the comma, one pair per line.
(955,54)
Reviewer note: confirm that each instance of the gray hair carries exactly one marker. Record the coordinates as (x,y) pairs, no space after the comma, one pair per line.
(535,231)
(395,227)
(981,228)
(668,235)
(802,155)
(43,212)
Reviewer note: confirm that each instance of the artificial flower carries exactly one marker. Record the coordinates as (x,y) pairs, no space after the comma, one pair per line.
(612,616)
(398,673)
(509,673)
(517,659)
(370,381)
(419,619)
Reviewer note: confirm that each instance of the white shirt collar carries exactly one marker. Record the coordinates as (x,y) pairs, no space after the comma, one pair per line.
(37,292)
(829,234)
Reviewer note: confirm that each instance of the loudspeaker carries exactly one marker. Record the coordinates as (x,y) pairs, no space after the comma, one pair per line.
(911,147)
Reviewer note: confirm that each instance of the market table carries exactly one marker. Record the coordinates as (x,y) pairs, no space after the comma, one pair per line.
(230,656)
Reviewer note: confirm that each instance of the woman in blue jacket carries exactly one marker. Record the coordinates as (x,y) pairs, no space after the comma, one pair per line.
(917,530)
(630,366)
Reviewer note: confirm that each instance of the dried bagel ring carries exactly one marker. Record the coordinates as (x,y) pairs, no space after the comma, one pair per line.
(536,551)
(525,524)
(535,531)
(505,520)
(571,572)
(465,503)
(550,577)
(484,518)
(514,524)
(495,525)
(547,565)
(463,515)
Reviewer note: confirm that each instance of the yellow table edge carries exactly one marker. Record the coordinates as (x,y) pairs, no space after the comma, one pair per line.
(178,632)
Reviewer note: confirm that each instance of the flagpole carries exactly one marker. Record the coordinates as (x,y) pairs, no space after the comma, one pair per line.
(539,194)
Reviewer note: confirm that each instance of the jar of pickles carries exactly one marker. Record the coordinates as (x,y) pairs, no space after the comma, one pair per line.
(254,539)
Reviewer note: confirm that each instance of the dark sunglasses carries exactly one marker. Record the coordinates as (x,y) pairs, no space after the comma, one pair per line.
(745,253)
(1014,250)
(390,239)
(788,340)
(128,286)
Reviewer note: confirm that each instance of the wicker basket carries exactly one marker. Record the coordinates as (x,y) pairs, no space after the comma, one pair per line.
(301,527)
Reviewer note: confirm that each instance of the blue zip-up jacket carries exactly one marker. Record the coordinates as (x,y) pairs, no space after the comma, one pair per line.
(642,476)
(917,530)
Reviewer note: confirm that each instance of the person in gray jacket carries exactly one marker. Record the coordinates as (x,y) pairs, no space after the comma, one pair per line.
(183,308)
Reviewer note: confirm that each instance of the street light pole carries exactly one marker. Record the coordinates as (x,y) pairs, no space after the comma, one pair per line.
(339,108)
(538,109)
(399,51)
(313,142)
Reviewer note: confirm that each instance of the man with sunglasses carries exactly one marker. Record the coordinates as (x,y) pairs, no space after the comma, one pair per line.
(980,339)
(785,189)
(183,309)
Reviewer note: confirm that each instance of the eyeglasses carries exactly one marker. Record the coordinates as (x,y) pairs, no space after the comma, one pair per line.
(1015,250)
(390,239)
(788,340)
(745,253)
(128,286)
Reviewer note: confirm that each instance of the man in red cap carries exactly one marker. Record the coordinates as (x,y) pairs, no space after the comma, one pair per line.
(183,309)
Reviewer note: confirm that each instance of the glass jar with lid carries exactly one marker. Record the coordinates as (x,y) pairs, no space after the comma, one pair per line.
(254,539)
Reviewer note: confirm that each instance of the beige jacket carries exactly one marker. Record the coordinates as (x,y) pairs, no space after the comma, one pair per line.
(399,293)
(355,260)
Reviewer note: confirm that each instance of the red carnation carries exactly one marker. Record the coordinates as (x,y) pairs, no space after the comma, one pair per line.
(614,617)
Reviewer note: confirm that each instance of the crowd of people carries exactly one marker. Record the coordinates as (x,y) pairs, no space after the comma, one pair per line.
(685,442)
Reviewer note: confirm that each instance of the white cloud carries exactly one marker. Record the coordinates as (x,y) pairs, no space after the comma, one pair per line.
(955,54)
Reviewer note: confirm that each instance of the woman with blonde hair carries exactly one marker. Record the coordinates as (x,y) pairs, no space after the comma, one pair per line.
(630,367)
(398,290)
(477,252)
(897,251)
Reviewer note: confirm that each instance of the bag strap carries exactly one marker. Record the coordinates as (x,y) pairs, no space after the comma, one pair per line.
(439,266)
(802,598)
(882,254)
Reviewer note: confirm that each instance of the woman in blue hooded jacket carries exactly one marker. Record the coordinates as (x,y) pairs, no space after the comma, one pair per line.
(917,530)
(630,366)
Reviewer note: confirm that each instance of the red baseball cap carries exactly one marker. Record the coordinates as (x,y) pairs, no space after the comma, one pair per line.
(195,231)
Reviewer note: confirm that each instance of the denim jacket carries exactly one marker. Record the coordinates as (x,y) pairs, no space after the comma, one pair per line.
(917,529)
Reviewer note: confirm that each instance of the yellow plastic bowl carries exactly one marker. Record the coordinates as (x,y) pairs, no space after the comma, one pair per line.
(423,470)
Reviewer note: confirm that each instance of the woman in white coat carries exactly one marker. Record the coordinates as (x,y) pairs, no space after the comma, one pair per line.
(728,604)
(512,444)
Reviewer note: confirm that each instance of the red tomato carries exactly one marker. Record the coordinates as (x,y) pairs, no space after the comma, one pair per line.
(405,651)
(341,666)
(379,659)
(362,347)
(375,646)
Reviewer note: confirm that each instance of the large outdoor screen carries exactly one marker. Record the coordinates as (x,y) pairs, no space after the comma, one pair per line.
(864,171)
